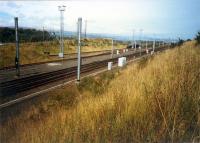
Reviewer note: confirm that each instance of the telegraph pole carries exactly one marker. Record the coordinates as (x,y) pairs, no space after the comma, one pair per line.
(154,44)
(85,29)
(61,9)
(141,30)
(146,45)
(43,33)
(135,43)
(112,51)
(133,40)
(17,64)
(79,48)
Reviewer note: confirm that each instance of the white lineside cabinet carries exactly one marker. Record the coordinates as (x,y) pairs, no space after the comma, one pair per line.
(117,52)
(61,55)
(110,65)
(121,61)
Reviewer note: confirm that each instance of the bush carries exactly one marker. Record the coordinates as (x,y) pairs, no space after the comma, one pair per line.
(198,38)
(180,42)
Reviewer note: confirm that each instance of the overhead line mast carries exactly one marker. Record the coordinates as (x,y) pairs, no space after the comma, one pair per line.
(61,9)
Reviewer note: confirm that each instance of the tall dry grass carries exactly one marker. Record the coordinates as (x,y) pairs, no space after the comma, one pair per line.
(158,102)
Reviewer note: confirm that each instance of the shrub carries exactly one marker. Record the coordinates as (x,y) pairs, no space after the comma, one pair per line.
(180,42)
(198,38)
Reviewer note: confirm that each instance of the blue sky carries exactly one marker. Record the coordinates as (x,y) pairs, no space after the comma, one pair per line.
(157,18)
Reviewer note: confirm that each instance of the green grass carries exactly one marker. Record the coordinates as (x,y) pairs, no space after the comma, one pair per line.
(156,100)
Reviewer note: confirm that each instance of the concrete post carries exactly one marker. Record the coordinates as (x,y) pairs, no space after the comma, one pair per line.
(112,50)
(154,44)
(79,49)
(17,64)
(135,45)
(61,9)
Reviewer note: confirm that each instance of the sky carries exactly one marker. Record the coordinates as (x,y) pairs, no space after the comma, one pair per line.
(155,18)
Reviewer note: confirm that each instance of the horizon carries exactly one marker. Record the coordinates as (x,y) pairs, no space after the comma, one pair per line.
(103,35)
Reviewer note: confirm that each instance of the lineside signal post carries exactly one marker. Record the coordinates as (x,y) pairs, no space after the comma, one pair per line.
(17,65)
(79,48)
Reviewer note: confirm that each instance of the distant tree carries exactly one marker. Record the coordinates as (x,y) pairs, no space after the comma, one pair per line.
(180,42)
(197,38)
(7,35)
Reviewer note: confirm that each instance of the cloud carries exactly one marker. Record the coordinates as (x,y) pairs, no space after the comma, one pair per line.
(106,16)
(43,13)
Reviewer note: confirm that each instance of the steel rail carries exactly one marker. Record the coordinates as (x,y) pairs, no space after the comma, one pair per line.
(72,74)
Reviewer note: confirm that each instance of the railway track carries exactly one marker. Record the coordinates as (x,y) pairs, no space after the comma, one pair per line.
(82,52)
(94,54)
(11,88)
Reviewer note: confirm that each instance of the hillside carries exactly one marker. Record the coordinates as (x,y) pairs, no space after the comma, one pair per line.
(154,100)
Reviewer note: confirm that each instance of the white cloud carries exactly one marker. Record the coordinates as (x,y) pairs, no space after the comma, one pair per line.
(102,16)
(105,16)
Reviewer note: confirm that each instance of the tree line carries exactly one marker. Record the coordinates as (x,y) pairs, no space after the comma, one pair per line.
(7,35)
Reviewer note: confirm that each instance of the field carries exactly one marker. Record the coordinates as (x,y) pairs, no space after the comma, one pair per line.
(154,100)
(35,52)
